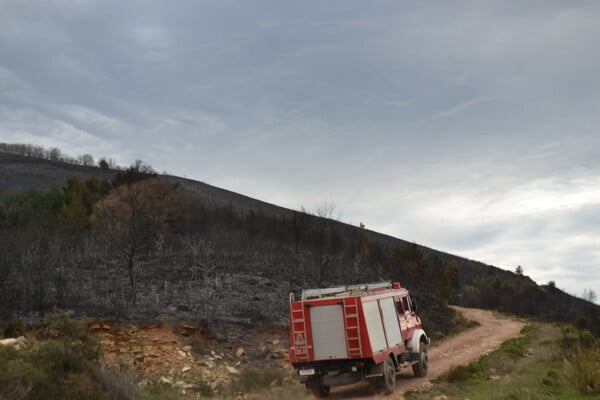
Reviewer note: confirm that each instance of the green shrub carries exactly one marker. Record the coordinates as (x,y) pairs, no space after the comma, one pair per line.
(116,386)
(157,391)
(77,346)
(13,329)
(584,370)
(573,339)
(517,347)
(252,378)
(582,352)
(458,323)
(462,372)
(552,378)
(81,386)
(204,389)
(63,366)
(18,376)
(514,349)
(582,322)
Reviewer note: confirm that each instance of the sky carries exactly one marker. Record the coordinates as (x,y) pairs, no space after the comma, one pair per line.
(470,127)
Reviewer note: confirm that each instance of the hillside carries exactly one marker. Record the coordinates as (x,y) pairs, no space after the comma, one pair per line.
(235,258)
(19,173)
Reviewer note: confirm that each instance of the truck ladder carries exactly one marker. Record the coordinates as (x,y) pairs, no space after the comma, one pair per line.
(299,329)
(352,324)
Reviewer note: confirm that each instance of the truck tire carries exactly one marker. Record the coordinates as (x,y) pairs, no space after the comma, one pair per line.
(421,367)
(388,379)
(318,389)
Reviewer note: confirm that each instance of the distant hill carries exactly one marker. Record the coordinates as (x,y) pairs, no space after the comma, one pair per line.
(275,250)
(19,173)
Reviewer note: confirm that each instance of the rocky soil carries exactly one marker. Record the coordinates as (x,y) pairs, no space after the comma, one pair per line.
(186,355)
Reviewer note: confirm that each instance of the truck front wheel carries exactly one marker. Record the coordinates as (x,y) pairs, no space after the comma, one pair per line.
(319,390)
(421,367)
(389,376)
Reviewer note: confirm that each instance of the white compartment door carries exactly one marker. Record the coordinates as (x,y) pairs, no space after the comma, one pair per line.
(390,322)
(374,326)
(328,333)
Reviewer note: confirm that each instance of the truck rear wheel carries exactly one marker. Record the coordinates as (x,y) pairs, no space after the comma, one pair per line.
(318,389)
(389,376)
(421,367)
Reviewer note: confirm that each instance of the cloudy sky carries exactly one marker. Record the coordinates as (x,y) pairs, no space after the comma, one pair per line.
(470,127)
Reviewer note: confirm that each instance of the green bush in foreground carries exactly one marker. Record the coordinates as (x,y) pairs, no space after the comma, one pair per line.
(13,329)
(60,367)
(251,379)
(582,352)
(157,391)
(584,370)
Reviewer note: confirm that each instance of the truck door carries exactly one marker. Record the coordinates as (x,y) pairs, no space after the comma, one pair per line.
(390,322)
(406,316)
(400,311)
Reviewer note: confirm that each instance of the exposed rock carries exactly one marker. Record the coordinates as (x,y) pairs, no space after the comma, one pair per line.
(279,353)
(186,329)
(182,385)
(94,327)
(145,382)
(240,352)
(159,353)
(232,370)
(218,382)
(16,343)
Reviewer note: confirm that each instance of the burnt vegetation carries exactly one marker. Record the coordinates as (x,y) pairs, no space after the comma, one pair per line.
(129,243)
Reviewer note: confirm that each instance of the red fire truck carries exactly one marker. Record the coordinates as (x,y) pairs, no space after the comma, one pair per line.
(341,335)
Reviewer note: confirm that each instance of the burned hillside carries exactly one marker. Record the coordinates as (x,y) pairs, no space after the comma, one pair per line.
(157,247)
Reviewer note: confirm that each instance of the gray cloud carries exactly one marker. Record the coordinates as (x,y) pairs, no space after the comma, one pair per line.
(467,126)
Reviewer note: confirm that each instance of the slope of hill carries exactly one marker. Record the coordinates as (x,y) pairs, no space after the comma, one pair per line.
(545,301)
(238,257)
(19,173)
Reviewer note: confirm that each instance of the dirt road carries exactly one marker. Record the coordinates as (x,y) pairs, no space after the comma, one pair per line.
(459,350)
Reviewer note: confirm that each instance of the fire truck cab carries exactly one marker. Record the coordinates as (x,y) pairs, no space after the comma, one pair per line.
(344,334)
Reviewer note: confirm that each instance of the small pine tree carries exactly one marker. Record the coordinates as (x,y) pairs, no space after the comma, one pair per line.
(519,270)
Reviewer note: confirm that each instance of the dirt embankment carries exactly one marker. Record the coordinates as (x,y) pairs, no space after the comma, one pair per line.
(183,357)
(459,350)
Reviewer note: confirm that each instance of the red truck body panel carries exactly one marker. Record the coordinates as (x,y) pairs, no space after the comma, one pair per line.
(359,324)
